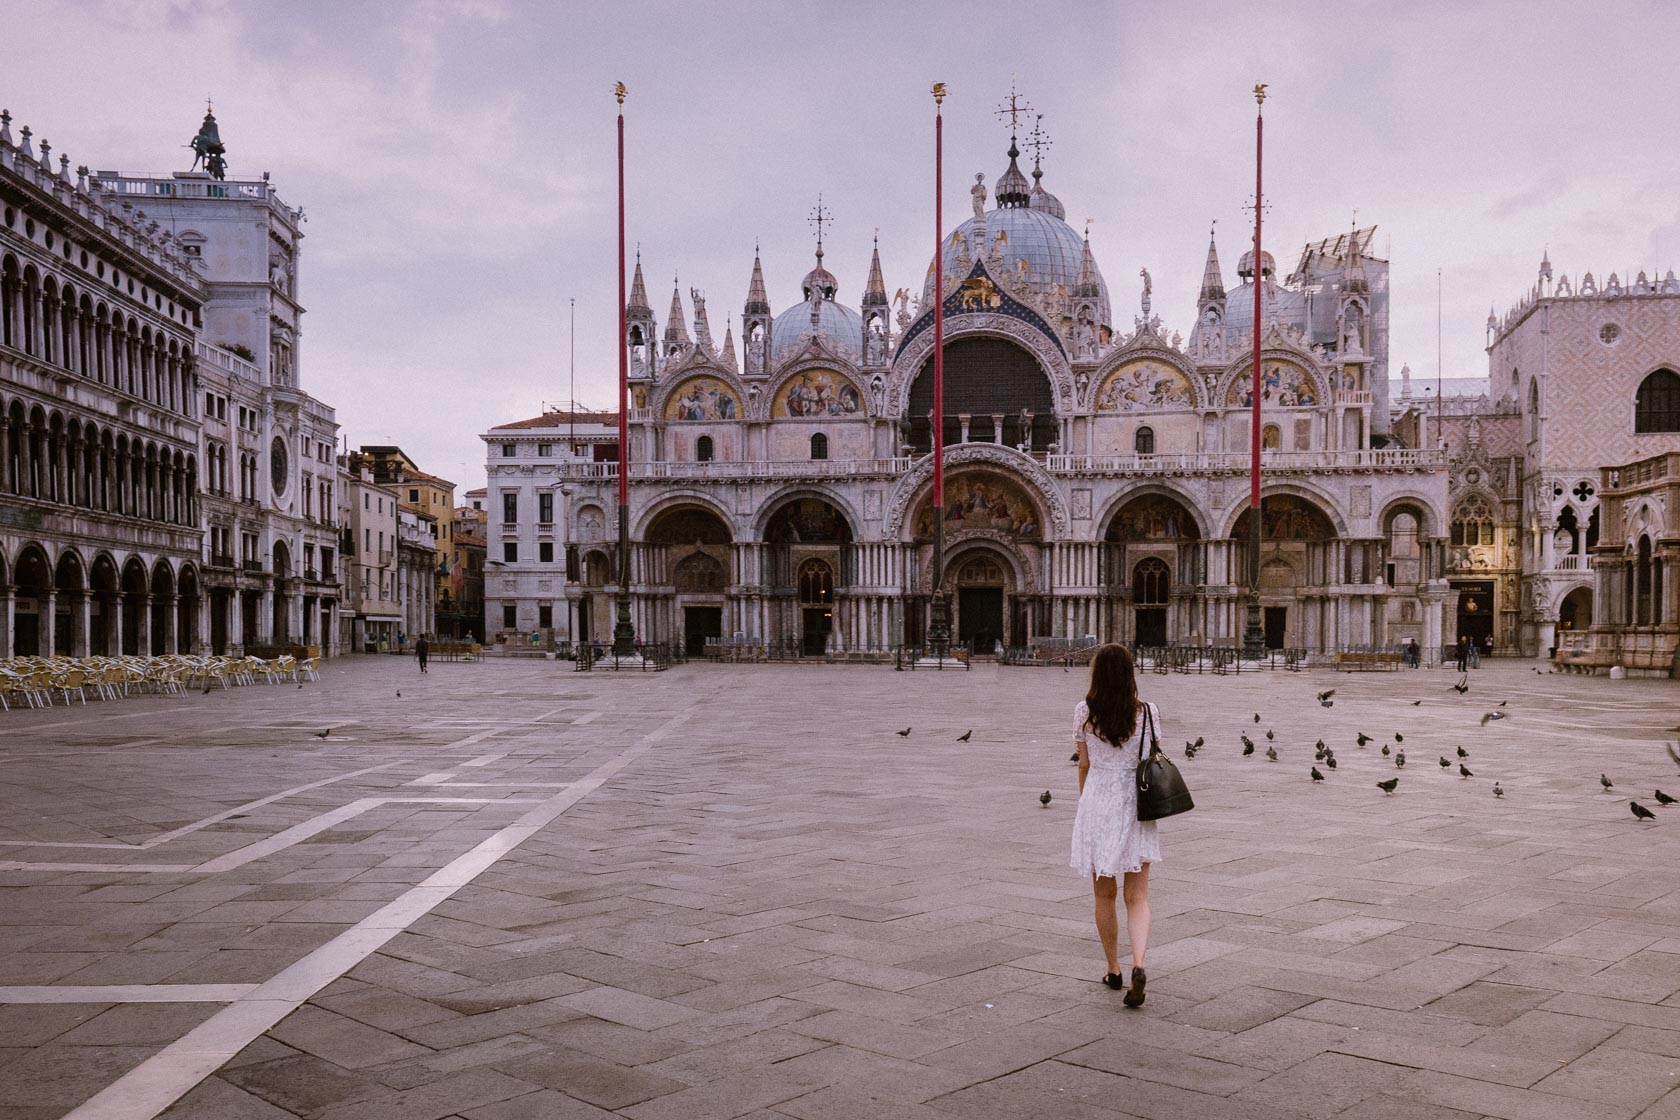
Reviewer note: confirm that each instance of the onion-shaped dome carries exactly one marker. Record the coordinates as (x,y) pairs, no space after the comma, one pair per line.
(1044,200)
(791,330)
(1051,248)
(1245,266)
(819,281)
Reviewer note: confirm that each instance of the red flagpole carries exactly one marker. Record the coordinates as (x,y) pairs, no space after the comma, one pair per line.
(623,632)
(1254,634)
(939,628)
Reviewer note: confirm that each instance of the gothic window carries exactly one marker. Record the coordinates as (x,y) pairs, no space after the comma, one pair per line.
(816,584)
(1144,442)
(1472,524)
(1642,584)
(703,449)
(819,446)
(698,573)
(1150,582)
(1656,407)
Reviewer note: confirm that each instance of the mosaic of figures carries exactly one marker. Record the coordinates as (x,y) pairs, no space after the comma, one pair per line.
(1286,517)
(1152,517)
(818,392)
(984,501)
(807,521)
(1281,383)
(1144,385)
(703,398)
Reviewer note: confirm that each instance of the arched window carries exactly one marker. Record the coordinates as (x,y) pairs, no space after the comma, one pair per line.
(1656,407)
(819,446)
(698,572)
(816,584)
(1150,582)
(1642,584)
(1144,442)
(1472,524)
(1270,438)
(703,449)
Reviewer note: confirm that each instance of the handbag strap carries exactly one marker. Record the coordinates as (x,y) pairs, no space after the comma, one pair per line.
(1153,741)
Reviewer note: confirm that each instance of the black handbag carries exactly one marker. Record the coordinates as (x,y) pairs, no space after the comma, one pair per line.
(1161,791)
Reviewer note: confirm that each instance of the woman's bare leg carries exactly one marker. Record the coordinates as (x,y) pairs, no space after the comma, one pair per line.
(1136,890)
(1108,919)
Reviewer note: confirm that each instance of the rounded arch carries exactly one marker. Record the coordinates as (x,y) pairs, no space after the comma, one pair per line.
(32,572)
(69,574)
(782,499)
(163,578)
(1151,582)
(1288,379)
(1656,403)
(700,393)
(589,522)
(1422,510)
(1574,607)
(913,487)
(1020,571)
(1150,380)
(986,376)
(1300,510)
(687,524)
(102,574)
(814,389)
(995,503)
(1154,511)
(675,500)
(134,576)
(913,357)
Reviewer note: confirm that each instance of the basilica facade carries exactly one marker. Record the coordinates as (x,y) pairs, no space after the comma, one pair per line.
(1096,473)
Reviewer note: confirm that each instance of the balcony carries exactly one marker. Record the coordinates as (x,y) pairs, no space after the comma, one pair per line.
(311,575)
(385,557)
(1571,563)
(221,560)
(1353,396)
(1237,462)
(253,566)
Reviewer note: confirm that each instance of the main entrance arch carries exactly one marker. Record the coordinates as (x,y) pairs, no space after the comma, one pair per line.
(689,552)
(1152,560)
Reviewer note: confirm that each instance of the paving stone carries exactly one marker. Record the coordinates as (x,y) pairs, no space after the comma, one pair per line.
(139,1024)
(1240,1009)
(216,1099)
(1168,1067)
(342,1041)
(1503,1101)
(545,1104)
(435,1100)
(1325,1085)
(1488,1004)
(601,1083)
(1608,1074)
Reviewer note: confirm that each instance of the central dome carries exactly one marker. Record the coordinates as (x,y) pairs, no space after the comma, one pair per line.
(792,328)
(1050,247)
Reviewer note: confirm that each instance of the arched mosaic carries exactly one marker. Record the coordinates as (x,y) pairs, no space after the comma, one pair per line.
(1282,384)
(984,501)
(1287,517)
(703,398)
(1144,384)
(817,392)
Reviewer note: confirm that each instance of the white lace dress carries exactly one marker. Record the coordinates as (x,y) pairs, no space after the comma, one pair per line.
(1108,839)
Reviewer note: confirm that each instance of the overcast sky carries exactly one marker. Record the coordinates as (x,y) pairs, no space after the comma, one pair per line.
(456,157)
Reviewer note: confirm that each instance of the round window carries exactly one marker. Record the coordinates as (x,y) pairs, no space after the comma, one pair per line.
(277,464)
(1609,333)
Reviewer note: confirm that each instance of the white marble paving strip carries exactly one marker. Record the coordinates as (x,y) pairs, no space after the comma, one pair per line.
(484,759)
(150,868)
(165,837)
(125,993)
(159,1081)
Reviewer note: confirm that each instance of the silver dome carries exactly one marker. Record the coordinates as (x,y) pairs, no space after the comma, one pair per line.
(1051,248)
(792,329)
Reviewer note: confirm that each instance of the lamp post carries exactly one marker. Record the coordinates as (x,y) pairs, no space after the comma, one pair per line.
(623,633)
(1254,632)
(939,625)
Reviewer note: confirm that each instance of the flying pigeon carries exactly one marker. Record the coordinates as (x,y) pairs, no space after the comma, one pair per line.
(1487,716)
(1074,757)
(1326,694)
(1388,786)
(1044,798)
(963,738)
(1461,687)
(1642,813)
(1316,776)
(1415,703)
(1327,703)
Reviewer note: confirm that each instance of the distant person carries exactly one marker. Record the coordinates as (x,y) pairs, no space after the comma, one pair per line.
(423,652)
(1487,646)
(1475,654)
(1463,653)
(1110,729)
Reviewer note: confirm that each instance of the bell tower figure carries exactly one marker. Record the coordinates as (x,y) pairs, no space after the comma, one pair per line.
(755,324)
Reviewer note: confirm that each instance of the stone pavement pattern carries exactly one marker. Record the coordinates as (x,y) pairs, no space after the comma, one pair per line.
(733,891)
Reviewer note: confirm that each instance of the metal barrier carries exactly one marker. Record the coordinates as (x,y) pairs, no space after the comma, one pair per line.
(648,657)
(907,657)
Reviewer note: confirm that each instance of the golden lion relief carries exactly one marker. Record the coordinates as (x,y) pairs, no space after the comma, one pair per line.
(978,292)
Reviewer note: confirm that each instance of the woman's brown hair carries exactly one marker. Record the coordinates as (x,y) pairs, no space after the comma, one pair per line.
(1112,701)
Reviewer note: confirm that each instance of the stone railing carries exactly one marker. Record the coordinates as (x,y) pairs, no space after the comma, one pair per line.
(226,361)
(1367,459)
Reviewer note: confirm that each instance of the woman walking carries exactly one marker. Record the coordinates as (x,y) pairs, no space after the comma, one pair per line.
(1110,844)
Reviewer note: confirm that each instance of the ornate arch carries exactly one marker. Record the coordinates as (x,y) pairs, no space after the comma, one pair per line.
(1042,347)
(1275,350)
(911,485)
(794,491)
(1113,506)
(1326,504)
(763,408)
(666,390)
(687,496)
(988,544)
(1431,522)
(1153,351)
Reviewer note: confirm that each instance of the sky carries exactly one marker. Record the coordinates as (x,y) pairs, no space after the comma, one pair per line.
(456,158)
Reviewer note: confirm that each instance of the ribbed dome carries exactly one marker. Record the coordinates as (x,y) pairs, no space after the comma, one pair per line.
(1245,266)
(1051,248)
(792,328)
(1044,200)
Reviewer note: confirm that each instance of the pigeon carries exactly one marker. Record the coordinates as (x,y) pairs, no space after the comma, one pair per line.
(1269,735)
(1388,786)
(1502,703)
(1415,703)
(1330,762)
(963,738)
(1318,755)
(323,734)
(1497,792)
(1444,762)
(1248,746)
(1320,745)
(1385,750)
(1198,742)
(207,690)
(1326,694)
(1642,813)
(1488,716)
(1044,798)
(1316,776)
(399,696)
(1663,798)
(1327,703)
(1461,688)
(1256,717)
(1399,738)
(1462,753)
(905,734)
(1464,771)
(1364,738)
(1074,757)
(1271,753)
(1604,780)
(300,688)
(1400,760)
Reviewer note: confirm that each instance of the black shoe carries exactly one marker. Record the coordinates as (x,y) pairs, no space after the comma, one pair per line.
(1114,980)
(1134,998)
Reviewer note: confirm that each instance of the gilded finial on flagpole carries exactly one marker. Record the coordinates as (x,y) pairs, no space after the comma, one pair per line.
(618,92)
(939,93)
(1260,94)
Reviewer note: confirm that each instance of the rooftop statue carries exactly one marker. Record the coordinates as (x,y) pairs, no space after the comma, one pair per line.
(207,147)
